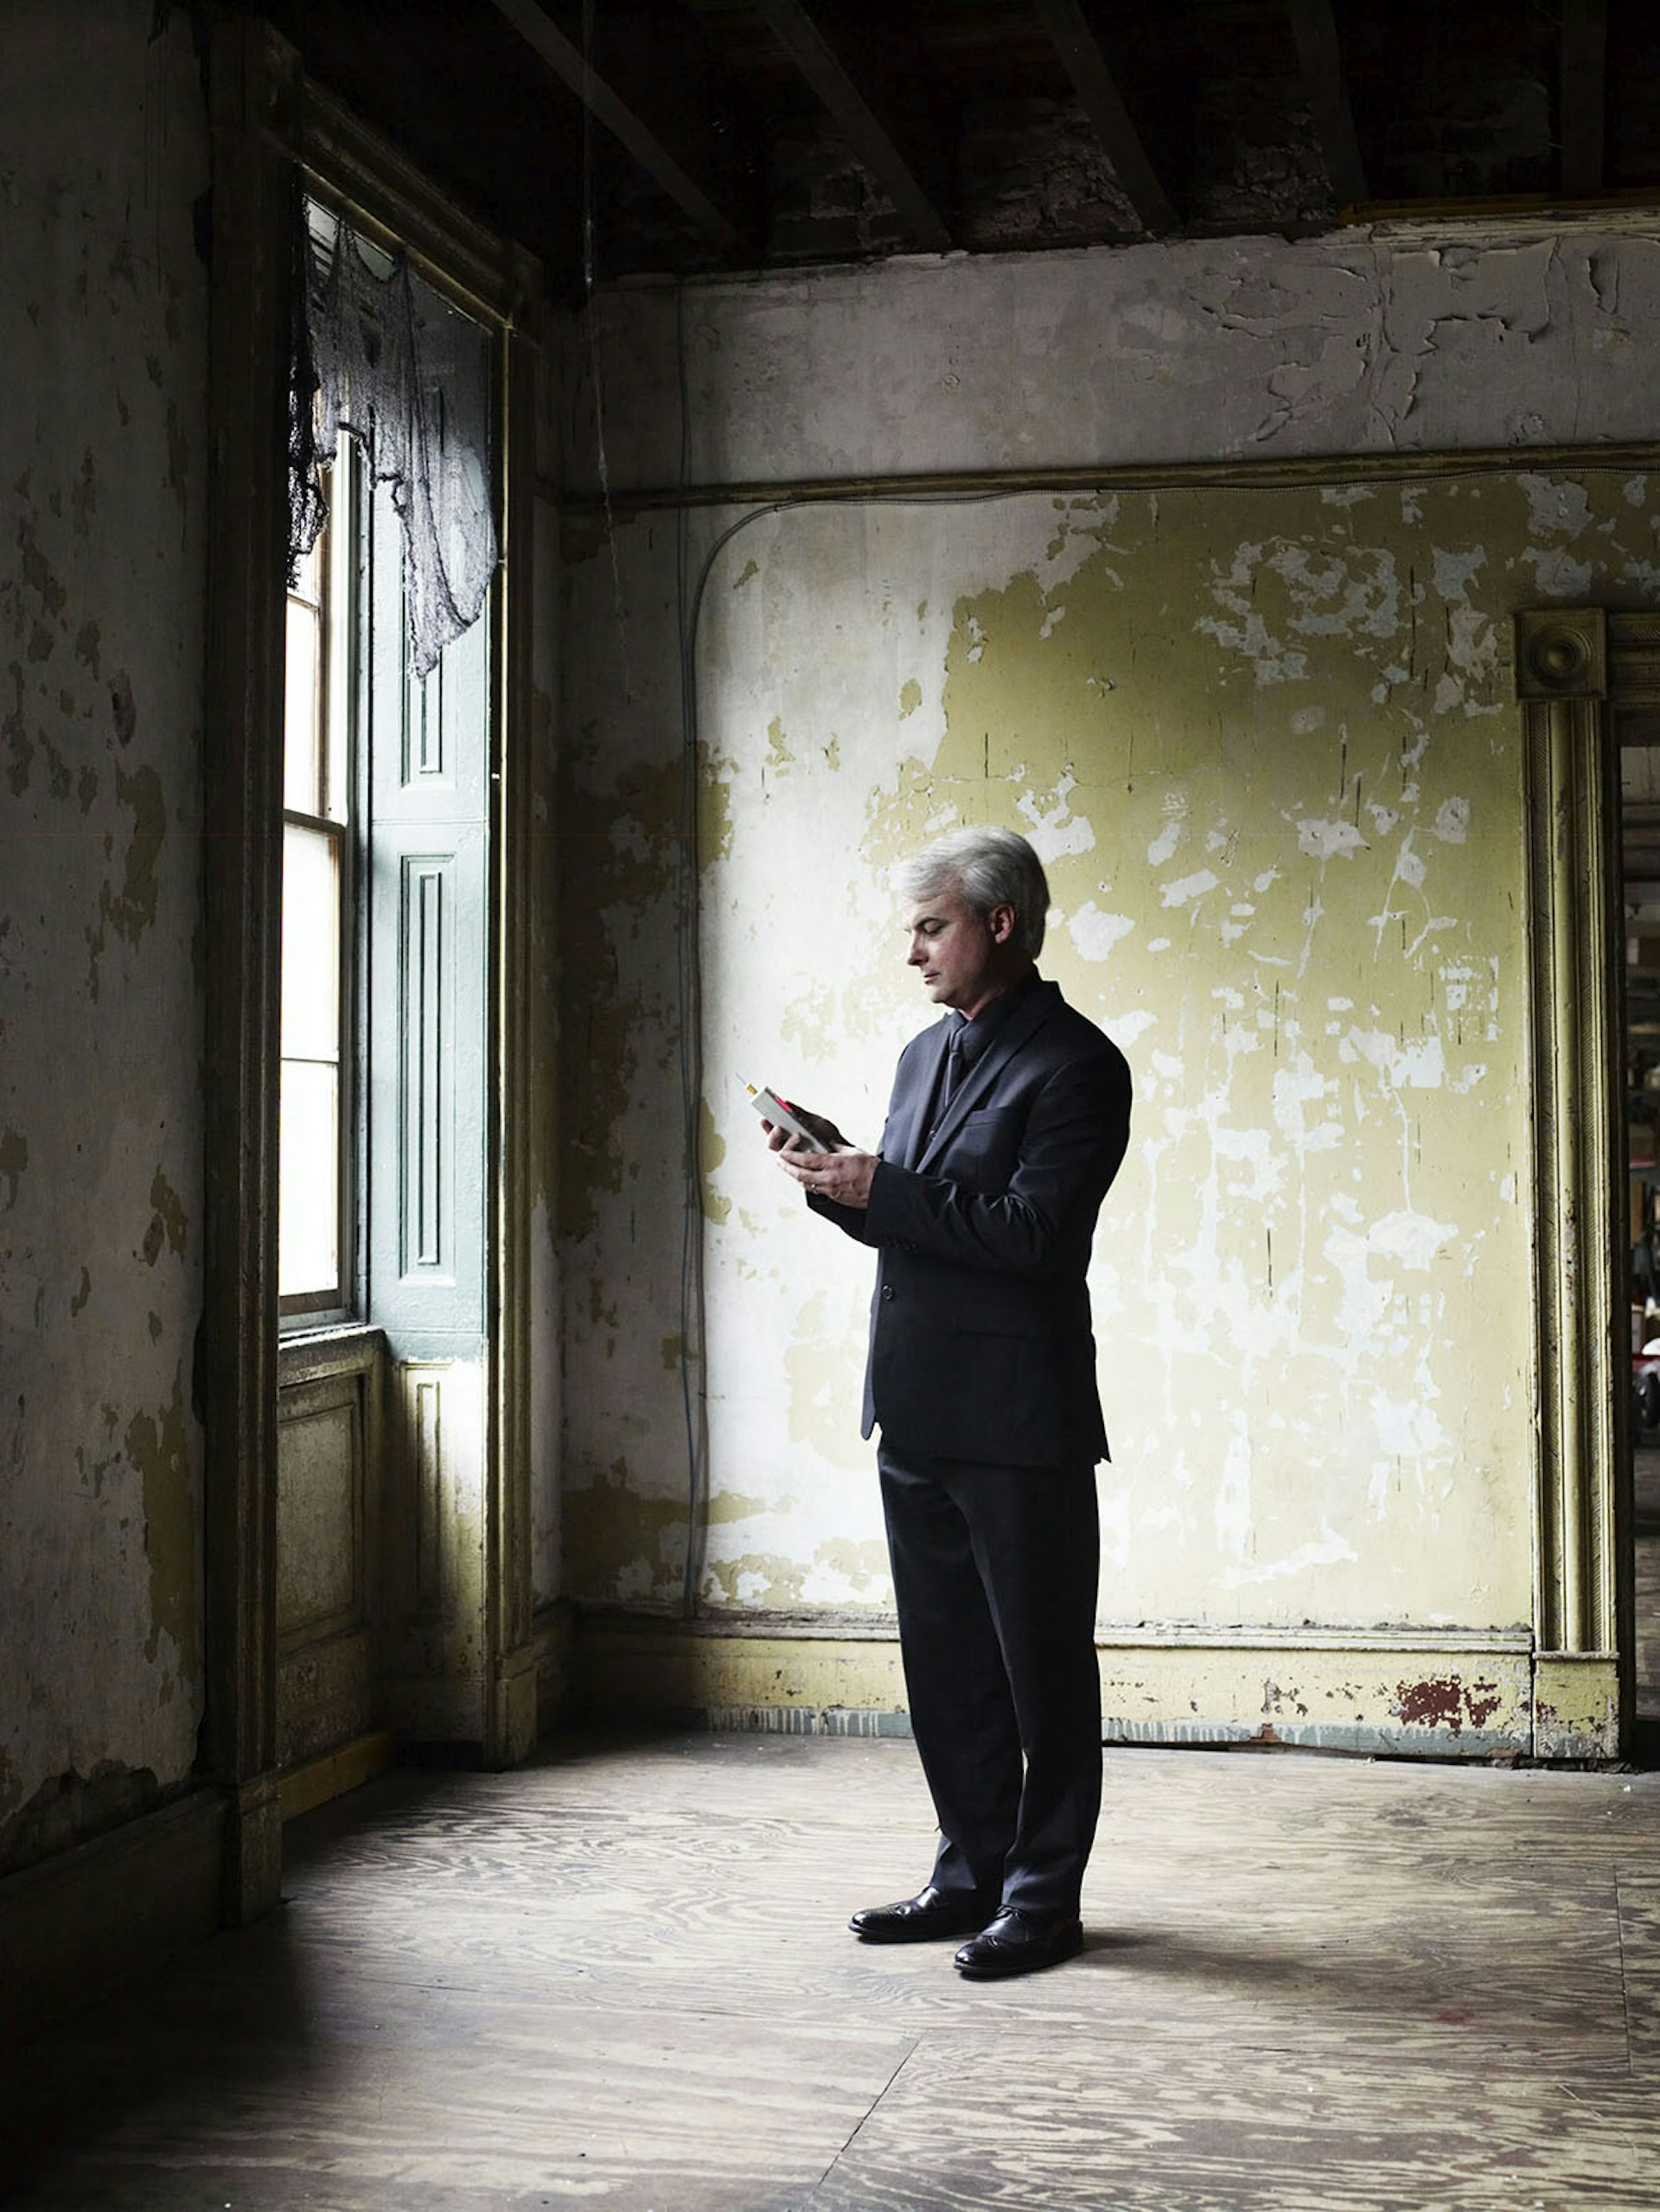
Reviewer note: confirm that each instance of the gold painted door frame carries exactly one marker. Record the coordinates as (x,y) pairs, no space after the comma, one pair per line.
(1582,1604)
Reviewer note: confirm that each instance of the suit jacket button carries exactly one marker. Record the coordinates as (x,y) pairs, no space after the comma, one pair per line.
(887,1290)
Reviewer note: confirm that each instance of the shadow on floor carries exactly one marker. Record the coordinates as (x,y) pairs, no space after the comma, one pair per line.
(225,2029)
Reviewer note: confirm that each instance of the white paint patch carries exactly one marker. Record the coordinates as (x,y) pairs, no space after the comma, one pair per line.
(1055,615)
(1557,575)
(1186,889)
(1115,1529)
(1232,1511)
(1125,1029)
(1307,719)
(1095,933)
(1329,1549)
(1294,1089)
(1456,573)
(1170,837)
(1056,832)
(1330,840)
(1406,1427)
(1556,508)
(1412,1238)
(1415,1064)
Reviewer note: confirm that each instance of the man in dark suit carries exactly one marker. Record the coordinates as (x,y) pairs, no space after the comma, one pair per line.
(1008,1120)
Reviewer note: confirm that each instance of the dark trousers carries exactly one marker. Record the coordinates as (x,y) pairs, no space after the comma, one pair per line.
(994,1571)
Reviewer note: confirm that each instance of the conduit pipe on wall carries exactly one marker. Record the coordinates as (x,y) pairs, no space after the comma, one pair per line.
(1182,476)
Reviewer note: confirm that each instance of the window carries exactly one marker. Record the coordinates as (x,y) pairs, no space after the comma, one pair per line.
(383,1161)
(315,1255)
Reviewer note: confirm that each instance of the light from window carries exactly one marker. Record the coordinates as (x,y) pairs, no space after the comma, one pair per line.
(311,1259)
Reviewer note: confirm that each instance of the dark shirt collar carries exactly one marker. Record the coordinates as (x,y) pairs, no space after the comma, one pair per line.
(970,1039)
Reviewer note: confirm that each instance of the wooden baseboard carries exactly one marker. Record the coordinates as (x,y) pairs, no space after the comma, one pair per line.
(75,1928)
(1389,1693)
(302,1788)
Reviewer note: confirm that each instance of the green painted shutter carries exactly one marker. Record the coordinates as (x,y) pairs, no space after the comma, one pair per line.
(426,972)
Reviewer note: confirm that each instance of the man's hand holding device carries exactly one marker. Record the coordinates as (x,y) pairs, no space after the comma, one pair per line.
(813,1151)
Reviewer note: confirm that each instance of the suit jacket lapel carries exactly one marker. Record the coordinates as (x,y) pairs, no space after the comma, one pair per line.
(909,1117)
(977,1085)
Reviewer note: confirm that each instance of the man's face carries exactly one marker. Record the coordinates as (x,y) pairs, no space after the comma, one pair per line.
(959,952)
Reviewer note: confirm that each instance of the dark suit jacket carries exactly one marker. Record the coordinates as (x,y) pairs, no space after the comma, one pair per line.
(980,1342)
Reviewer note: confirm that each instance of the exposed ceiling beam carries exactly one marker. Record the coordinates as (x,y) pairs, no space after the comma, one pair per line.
(1321,58)
(1583,99)
(857,121)
(569,63)
(1097,89)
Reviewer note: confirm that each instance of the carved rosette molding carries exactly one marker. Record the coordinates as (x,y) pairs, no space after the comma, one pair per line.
(1561,664)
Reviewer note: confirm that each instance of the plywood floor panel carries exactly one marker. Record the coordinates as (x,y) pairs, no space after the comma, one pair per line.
(994,2122)
(622,1977)
(373,2096)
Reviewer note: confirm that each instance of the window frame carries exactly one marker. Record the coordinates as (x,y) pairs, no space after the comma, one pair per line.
(339,783)
(278,134)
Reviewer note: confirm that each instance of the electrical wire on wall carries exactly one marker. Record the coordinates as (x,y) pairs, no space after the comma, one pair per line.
(694,1403)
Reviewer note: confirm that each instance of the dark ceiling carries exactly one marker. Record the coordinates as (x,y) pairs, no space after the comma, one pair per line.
(614,137)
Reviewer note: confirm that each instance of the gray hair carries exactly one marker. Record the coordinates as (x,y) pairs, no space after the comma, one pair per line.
(986,869)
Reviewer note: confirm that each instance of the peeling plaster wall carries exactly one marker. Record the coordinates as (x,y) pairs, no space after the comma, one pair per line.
(1205,350)
(1265,742)
(103,309)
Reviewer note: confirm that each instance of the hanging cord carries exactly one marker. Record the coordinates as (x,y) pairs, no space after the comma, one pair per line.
(694,1398)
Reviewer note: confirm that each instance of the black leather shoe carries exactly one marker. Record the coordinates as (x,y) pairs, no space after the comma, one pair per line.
(1019,1942)
(931,1916)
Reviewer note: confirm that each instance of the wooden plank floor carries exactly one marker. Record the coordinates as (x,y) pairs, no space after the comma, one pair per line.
(620,1979)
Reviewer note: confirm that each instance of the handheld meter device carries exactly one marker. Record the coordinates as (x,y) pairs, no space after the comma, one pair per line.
(782,1116)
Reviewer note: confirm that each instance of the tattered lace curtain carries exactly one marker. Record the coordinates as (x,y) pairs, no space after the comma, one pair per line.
(381,354)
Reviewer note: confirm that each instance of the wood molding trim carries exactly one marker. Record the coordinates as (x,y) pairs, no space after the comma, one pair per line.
(510,1711)
(255,88)
(301,1789)
(390,201)
(1401,1694)
(1562,674)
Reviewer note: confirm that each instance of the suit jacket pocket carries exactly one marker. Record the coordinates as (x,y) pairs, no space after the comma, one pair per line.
(997,1318)
(981,1153)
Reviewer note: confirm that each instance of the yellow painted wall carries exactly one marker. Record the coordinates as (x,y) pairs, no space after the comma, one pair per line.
(1265,742)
